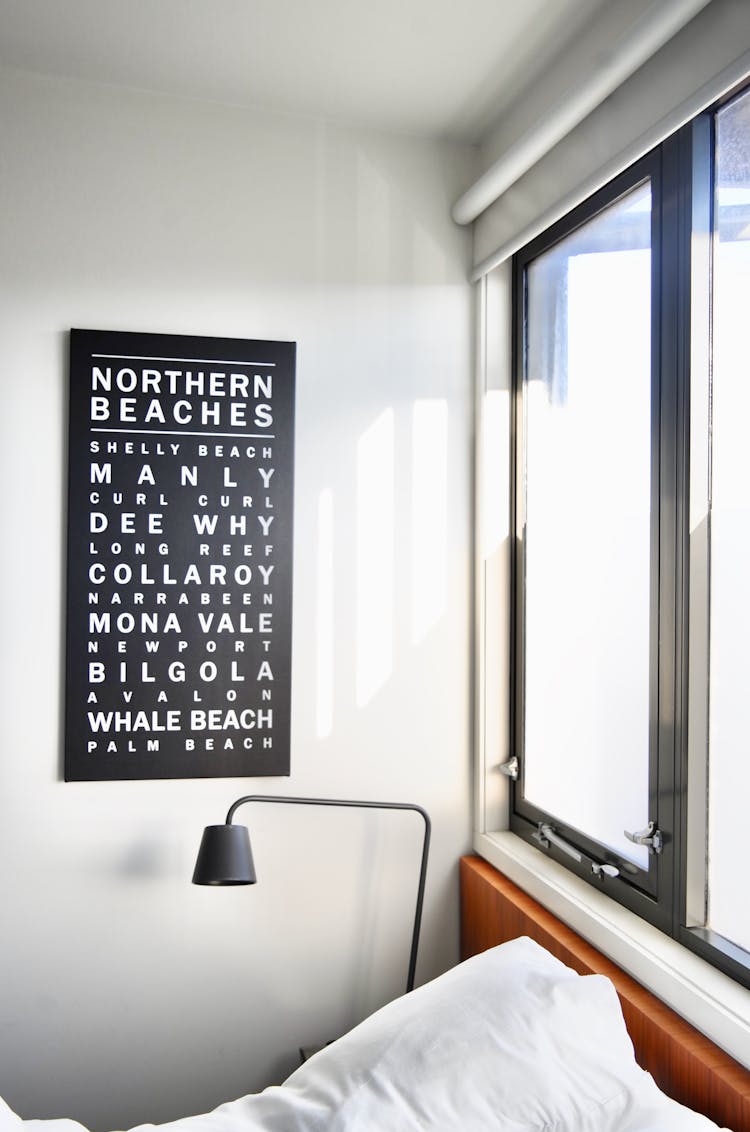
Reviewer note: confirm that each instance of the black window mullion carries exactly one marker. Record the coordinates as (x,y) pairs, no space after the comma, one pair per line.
(672,280)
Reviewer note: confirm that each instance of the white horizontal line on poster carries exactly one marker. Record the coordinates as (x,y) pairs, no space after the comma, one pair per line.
(202,361)
(155,432)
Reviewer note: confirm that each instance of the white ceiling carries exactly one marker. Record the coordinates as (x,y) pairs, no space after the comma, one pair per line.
(438,67)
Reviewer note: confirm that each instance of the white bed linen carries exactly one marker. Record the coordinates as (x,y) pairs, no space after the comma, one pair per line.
(510,1040)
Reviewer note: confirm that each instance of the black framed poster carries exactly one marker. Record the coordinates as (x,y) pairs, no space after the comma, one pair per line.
(179,588)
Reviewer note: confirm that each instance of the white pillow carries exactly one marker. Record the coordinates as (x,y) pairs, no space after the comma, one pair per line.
(511,1040)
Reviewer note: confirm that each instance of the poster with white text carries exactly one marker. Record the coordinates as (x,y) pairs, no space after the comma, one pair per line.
(179,585)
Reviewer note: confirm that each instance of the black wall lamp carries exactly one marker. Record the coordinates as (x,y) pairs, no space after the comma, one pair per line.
(225,856)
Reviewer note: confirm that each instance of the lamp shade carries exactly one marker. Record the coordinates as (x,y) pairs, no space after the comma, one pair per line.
(224,856)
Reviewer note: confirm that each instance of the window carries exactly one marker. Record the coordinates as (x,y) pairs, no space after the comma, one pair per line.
(632,536)
(725,918)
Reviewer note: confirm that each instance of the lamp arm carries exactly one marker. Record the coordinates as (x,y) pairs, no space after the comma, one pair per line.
(364,805)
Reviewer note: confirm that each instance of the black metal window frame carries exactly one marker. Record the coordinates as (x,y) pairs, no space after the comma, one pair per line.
(680,173)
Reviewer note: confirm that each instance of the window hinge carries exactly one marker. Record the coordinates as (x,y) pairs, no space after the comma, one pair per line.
(510,769)
(650,837)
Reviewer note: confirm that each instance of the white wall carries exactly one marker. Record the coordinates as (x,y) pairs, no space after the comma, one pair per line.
(126,994)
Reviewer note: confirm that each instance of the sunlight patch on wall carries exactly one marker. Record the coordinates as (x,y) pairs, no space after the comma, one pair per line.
(429,506)
(324,617)
(375,557)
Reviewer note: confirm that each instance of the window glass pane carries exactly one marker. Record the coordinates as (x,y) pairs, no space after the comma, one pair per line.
(587,526)
(729,764)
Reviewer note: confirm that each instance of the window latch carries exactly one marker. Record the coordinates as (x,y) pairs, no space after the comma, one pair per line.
(510,769)
(602,871)
(650,837)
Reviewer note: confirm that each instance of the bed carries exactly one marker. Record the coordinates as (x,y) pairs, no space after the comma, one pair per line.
(684,1063)
(526,1034)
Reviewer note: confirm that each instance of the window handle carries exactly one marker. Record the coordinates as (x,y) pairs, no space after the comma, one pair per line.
(547,836)
(650,836)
